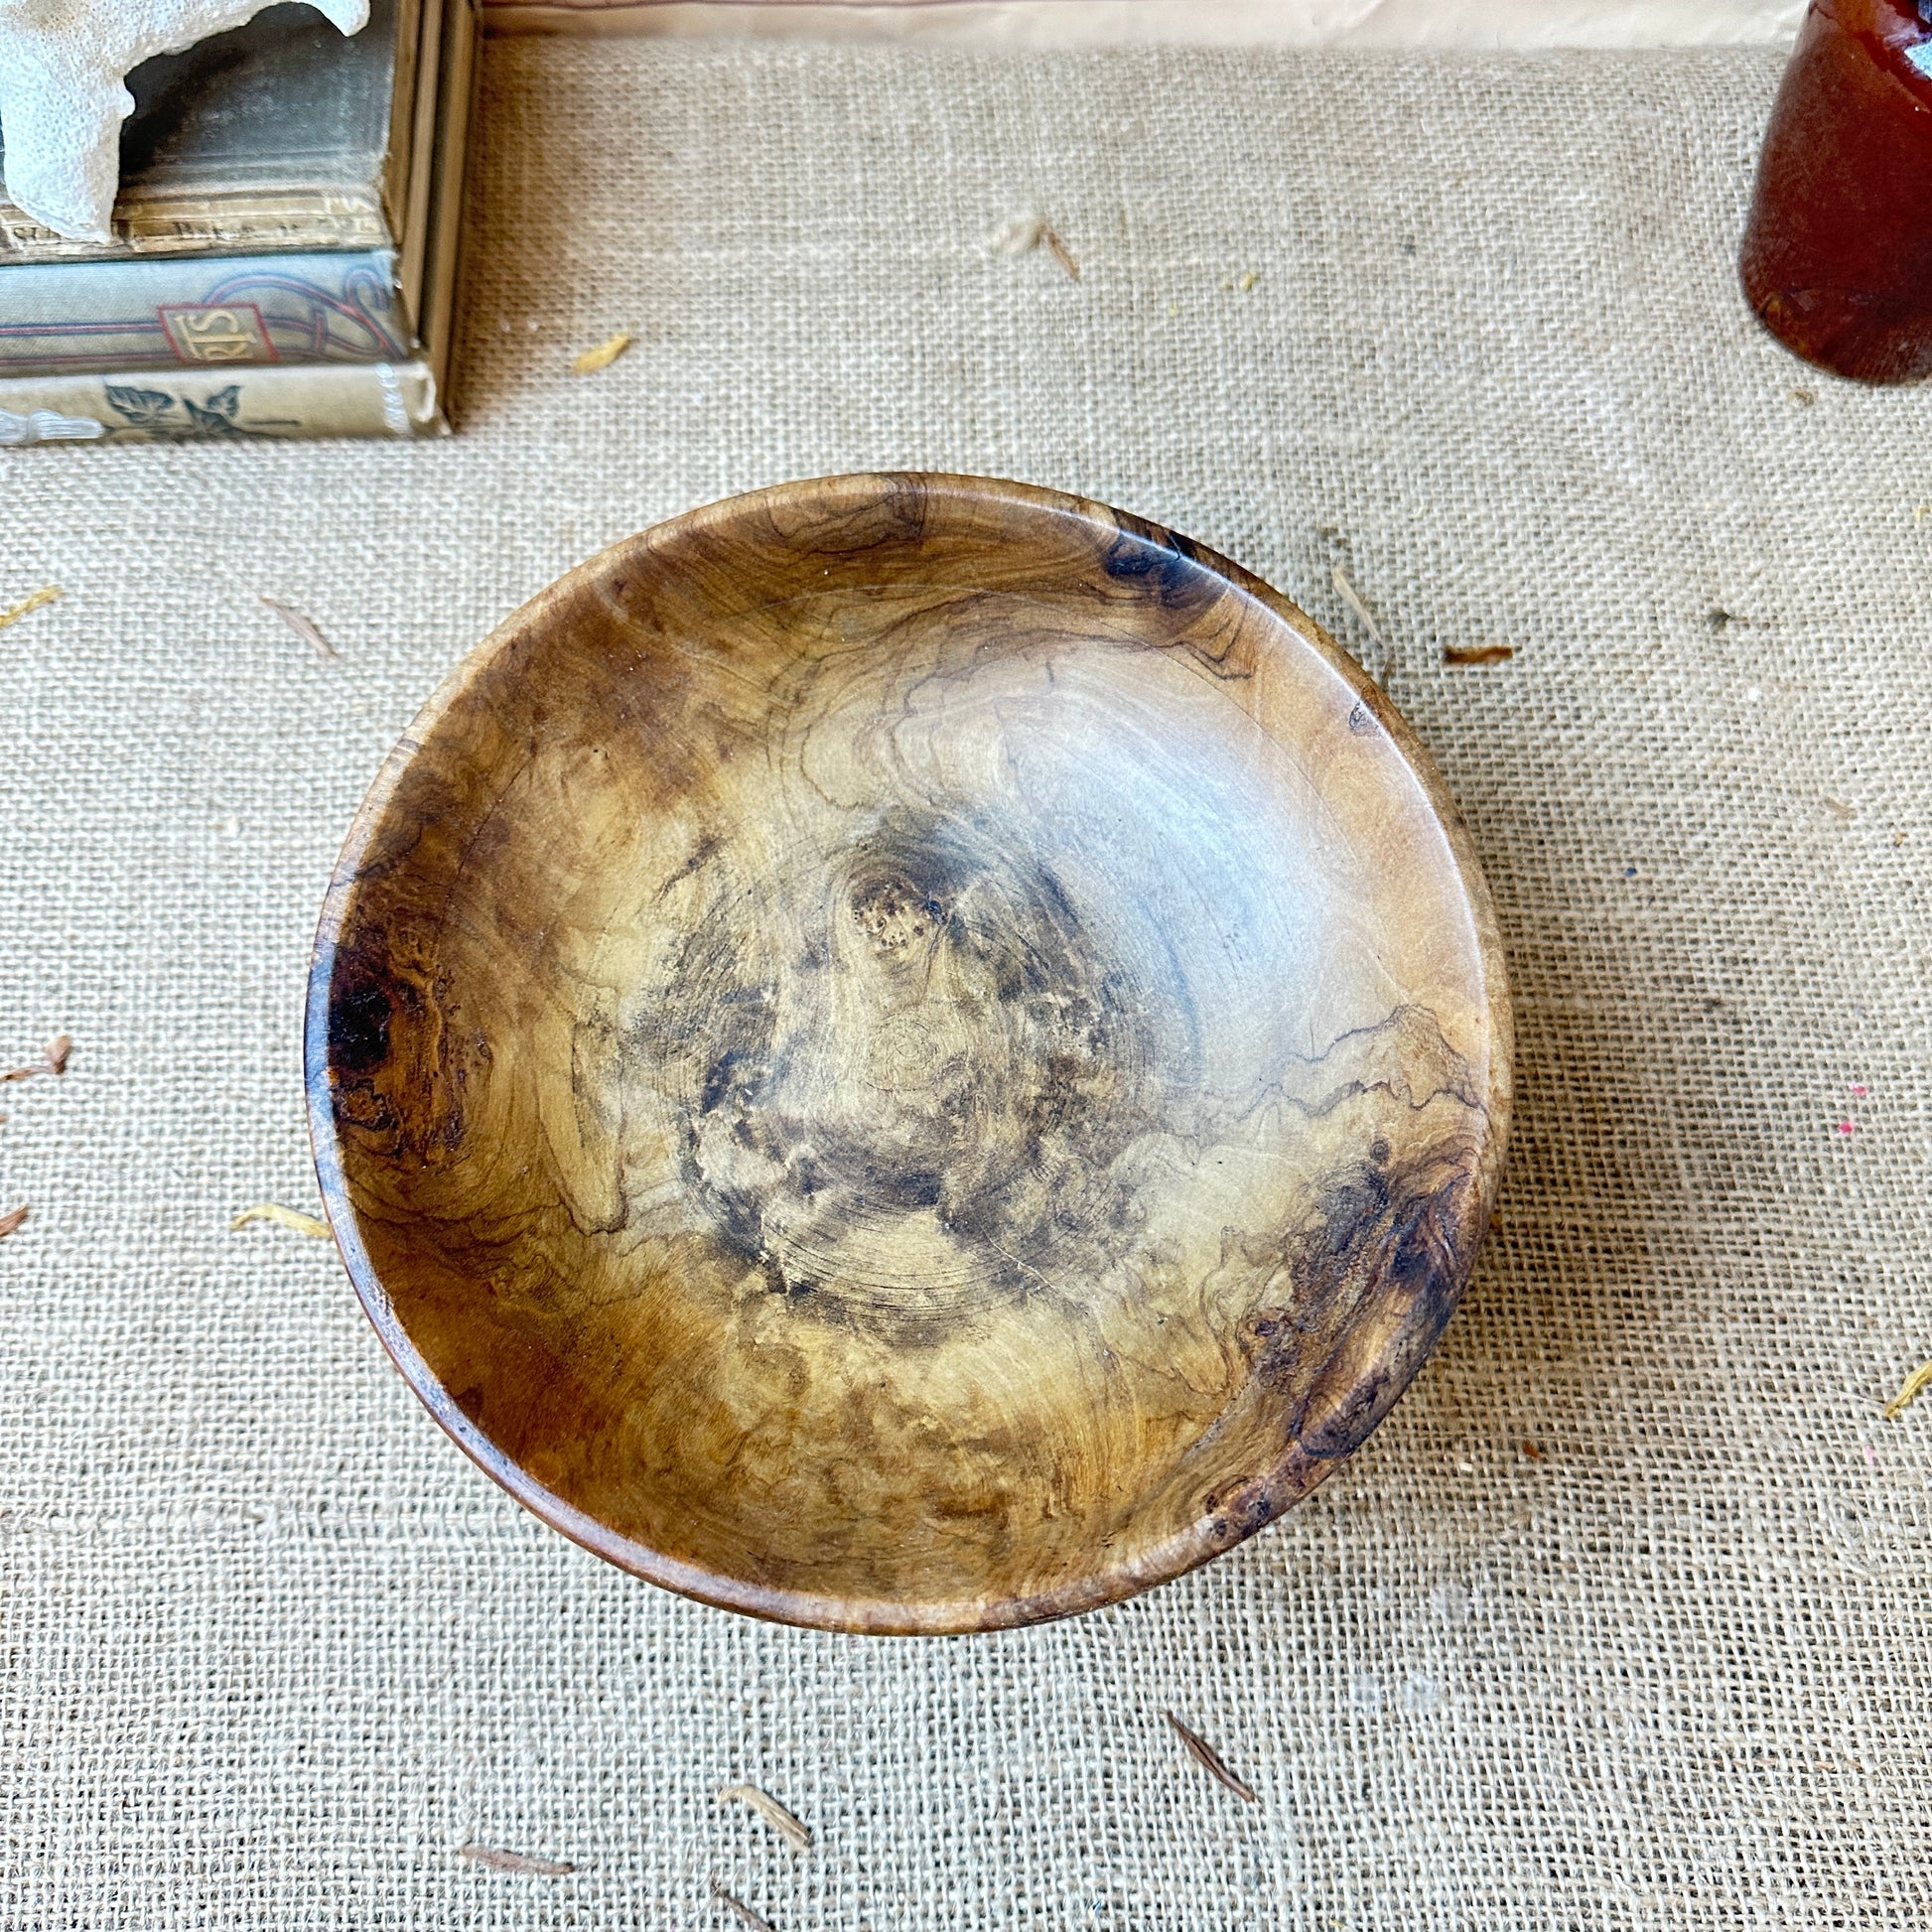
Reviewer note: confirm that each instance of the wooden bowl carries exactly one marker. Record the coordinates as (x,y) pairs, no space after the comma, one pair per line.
(908,1053)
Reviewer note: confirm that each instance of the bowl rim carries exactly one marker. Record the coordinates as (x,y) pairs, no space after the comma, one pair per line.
(1292,1477)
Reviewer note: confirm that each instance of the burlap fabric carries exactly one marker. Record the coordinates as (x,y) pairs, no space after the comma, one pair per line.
(1620,1621)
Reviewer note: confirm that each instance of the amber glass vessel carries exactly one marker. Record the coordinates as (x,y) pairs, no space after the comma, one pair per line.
(1838,253)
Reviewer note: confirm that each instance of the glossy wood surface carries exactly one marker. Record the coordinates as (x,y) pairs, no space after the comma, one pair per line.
(1837,255)
(908,1053)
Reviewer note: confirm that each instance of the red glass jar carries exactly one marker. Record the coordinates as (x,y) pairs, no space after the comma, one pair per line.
(1838,251)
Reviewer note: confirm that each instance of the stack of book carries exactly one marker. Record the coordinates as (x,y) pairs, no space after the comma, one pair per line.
(284,251)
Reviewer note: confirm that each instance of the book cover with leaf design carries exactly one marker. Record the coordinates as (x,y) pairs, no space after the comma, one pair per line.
(288,399)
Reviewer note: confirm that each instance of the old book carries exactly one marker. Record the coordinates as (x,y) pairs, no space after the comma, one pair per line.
(289,399)
(197,311)
(282,134)
(118,400)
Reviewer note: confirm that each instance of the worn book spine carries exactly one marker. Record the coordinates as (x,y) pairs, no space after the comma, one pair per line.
(285,399)
(281,134)
(201,311)
(241,221)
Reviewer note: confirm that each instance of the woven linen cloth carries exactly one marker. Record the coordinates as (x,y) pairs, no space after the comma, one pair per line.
(1623,1621)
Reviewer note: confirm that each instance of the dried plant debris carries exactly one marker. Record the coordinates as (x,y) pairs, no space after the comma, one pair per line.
(52,1059)
(1352,598)
(10,1222)
(1477,653)
(741,1912)
(1915,1385)
(1020,236)
(282,1217)
(304,628)
(789,1824)
(1025,233)
(34,601)
(603,356)
(498,1861)
(1210,1760)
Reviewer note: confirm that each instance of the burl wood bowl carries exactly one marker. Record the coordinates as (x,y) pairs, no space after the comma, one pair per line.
(908,1053)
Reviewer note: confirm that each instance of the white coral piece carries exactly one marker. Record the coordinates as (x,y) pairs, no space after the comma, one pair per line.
(61,101)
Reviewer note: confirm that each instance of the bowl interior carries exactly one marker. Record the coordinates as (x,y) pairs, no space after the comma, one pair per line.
(908,1053)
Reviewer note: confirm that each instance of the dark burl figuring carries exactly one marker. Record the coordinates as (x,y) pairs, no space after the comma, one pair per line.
(908,1053)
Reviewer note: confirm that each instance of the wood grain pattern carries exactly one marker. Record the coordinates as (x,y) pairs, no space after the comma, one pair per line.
(908,1053)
